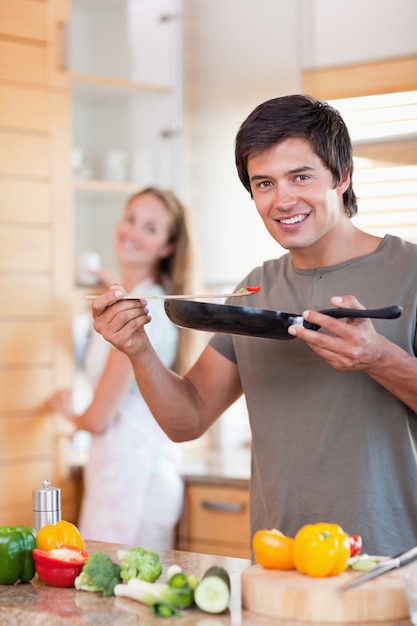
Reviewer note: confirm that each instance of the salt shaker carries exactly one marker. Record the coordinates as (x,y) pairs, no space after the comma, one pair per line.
(46,505)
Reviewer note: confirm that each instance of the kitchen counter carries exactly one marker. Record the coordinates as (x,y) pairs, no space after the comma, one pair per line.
(218,466)
(211,465)
(36,604)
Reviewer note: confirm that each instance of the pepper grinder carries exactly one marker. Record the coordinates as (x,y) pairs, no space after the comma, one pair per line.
(46,505)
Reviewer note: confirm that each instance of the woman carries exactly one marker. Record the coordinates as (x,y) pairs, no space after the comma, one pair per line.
(133,490)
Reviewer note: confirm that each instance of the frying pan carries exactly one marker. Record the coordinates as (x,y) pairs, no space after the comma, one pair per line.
(245,320)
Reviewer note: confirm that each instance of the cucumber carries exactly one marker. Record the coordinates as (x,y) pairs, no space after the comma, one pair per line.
(362,562)
(212,594)
(364,565)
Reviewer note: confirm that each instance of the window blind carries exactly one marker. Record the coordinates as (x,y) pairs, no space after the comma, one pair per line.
(383,129)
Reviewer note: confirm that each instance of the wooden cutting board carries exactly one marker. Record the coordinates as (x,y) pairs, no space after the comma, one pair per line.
(293,596)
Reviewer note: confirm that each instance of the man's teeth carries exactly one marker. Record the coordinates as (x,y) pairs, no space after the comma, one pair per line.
(293,220)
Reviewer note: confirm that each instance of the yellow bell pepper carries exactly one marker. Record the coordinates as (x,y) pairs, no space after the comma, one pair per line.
(321,550)
(57,535)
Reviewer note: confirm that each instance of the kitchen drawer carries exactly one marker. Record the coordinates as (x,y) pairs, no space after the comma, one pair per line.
(217,520)
(219,548)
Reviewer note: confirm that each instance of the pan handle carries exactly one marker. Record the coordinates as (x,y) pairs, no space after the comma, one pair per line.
(387,313)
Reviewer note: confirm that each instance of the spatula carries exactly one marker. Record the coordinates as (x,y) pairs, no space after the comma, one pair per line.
(247,291)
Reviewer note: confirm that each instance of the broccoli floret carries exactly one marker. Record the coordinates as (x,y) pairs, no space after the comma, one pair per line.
(139,563)
(99,574)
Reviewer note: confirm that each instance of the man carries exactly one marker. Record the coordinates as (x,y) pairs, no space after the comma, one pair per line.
(334,413)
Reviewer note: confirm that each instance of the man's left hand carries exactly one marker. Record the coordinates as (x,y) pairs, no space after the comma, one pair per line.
(351,344)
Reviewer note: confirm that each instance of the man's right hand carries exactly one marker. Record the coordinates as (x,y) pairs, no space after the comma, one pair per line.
(121,322)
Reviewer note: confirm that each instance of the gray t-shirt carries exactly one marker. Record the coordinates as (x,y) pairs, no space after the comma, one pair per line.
(328,445)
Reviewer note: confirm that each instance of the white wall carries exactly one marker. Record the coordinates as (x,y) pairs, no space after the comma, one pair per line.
(238,53)
(336,32)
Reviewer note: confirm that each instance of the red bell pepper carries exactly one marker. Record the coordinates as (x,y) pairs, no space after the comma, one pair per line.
(61,566)
(355,542)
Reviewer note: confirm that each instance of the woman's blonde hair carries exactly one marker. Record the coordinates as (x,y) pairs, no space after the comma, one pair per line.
(176,271)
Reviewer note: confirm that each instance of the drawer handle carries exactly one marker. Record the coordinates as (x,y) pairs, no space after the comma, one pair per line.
(229,507)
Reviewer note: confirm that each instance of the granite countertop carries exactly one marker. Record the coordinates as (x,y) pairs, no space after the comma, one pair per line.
(37,604)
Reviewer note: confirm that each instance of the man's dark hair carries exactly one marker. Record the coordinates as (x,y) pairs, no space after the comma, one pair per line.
(301,116)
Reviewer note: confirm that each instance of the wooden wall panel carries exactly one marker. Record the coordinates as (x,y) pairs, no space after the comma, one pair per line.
(28,437)
(25,296)
(36,472)
(35,251)
(23,62)
(24,155)
(24,107)
(25,201)
(24,248)
(17,482)
(20,511)
(25,389)
(25,342)
(20,18)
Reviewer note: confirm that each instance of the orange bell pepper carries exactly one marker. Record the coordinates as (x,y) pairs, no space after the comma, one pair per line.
(273,550)
(321,550)
(57,535)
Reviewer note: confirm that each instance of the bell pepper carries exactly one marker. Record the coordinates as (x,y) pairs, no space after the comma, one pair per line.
(355,542)
(57,535)
(321,550)
(16,559)
(273,550)
(60,567)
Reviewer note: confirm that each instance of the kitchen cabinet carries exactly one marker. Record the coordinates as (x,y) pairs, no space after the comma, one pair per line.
(76,78)
(216,520)
(35,244)
(124,58)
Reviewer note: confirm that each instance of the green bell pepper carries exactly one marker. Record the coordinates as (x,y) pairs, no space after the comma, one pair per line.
(16,559)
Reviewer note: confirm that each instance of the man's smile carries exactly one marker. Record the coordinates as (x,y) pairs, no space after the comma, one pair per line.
(294,219)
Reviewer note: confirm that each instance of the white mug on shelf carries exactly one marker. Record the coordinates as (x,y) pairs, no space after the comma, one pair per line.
(116,165)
